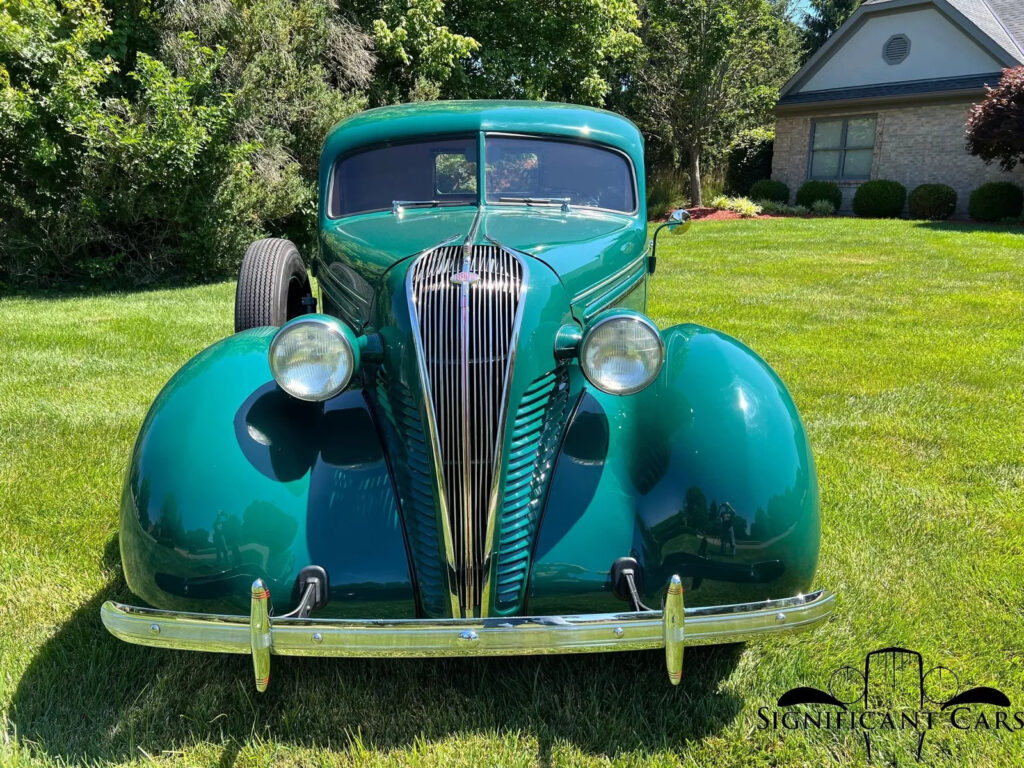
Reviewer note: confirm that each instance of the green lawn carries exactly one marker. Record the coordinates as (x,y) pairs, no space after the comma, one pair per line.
(903,345)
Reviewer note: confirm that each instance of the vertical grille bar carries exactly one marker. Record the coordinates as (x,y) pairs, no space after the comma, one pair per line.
(465,302)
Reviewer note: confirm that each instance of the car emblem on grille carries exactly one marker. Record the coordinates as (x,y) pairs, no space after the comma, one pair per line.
(465,277)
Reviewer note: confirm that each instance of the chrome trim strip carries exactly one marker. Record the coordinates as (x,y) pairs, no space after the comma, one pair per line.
(610,281)
(465,637)
(499,456)
(428,408)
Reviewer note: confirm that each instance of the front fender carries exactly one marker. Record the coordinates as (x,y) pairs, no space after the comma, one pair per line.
(706,473)
(231,480)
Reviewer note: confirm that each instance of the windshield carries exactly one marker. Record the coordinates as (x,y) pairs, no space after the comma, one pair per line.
(547,171)
(519,171)
(437,172)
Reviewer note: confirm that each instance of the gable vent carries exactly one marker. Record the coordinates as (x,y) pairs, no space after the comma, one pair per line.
(896,49)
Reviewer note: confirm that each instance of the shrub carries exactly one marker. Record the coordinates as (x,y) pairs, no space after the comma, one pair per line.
(781,209)
(750,159)
(996,201)
(767,189)
(143,146)
(744,206)
(812,191)
(879,199)
(823,208)
(665,191)
(932,201)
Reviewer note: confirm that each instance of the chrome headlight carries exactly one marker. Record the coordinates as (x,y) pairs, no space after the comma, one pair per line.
(313,357)
(621,353)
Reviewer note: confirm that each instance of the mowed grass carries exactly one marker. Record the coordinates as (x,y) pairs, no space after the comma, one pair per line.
(903,345)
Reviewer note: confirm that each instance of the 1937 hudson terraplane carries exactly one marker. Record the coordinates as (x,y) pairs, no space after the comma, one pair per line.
(468,439)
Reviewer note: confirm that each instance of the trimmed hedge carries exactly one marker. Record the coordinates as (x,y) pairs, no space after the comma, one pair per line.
(813,191)
(879,199)
(768,189)
(750,159)
(996,201)
(932,202)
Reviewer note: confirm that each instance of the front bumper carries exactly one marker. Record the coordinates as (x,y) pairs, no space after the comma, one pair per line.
(261,635)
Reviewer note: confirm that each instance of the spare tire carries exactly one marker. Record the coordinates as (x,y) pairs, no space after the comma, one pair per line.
(272,284)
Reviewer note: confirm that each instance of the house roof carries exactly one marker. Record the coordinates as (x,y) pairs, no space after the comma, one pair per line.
(996,25)
(891,90)
(1001,20)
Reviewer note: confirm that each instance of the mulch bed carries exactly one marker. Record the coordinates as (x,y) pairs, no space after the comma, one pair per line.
(715,214)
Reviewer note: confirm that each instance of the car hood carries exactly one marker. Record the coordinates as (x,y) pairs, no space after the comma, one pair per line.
(582,247)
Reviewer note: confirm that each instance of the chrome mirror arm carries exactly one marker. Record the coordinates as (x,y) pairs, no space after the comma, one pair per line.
(678,222)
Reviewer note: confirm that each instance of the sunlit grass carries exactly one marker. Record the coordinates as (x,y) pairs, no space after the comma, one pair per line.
(903,345)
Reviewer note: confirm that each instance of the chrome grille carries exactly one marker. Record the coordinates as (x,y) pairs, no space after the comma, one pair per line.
(536,433)
(465,302)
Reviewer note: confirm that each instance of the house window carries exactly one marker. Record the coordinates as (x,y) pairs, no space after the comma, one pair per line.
(842,148)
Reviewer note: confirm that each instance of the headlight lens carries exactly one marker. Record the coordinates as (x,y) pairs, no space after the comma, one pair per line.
(622,353)
(313,357)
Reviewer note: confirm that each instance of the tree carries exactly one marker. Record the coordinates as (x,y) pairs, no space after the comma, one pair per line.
(823,19)
(571,50)
(418,56)
(995,127)
(140,140)
(712,67)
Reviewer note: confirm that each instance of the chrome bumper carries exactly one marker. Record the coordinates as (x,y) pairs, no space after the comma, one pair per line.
(262,635)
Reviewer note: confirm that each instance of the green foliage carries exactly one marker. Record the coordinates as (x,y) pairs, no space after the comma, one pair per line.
(744,206)
(996,201)
(665,192)
(823,208)
(821,21)
(711,68)
(781,209)
(811,192)
(572,50)
(932,201)
(419,57)
(879,199)
(749,159)
(767,189)
(134,164)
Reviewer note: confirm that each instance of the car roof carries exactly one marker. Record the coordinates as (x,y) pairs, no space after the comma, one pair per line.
(405,121)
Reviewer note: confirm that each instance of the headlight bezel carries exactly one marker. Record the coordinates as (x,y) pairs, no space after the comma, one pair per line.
(336,329)
(619,316)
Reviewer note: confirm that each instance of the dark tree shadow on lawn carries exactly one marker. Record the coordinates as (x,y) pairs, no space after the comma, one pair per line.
(89,696)
(971,226)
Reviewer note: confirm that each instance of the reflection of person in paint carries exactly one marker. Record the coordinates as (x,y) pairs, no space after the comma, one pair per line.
(219,540)
(725,516)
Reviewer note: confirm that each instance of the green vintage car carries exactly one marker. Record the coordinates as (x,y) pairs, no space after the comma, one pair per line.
(465,437)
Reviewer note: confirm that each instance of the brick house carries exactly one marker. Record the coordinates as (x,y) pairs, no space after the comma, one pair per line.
(887,96)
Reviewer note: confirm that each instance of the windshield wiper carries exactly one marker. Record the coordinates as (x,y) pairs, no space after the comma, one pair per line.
(398,205)
(563,201)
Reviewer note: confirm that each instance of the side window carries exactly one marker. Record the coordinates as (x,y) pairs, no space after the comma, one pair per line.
(454,174)
(842,148)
